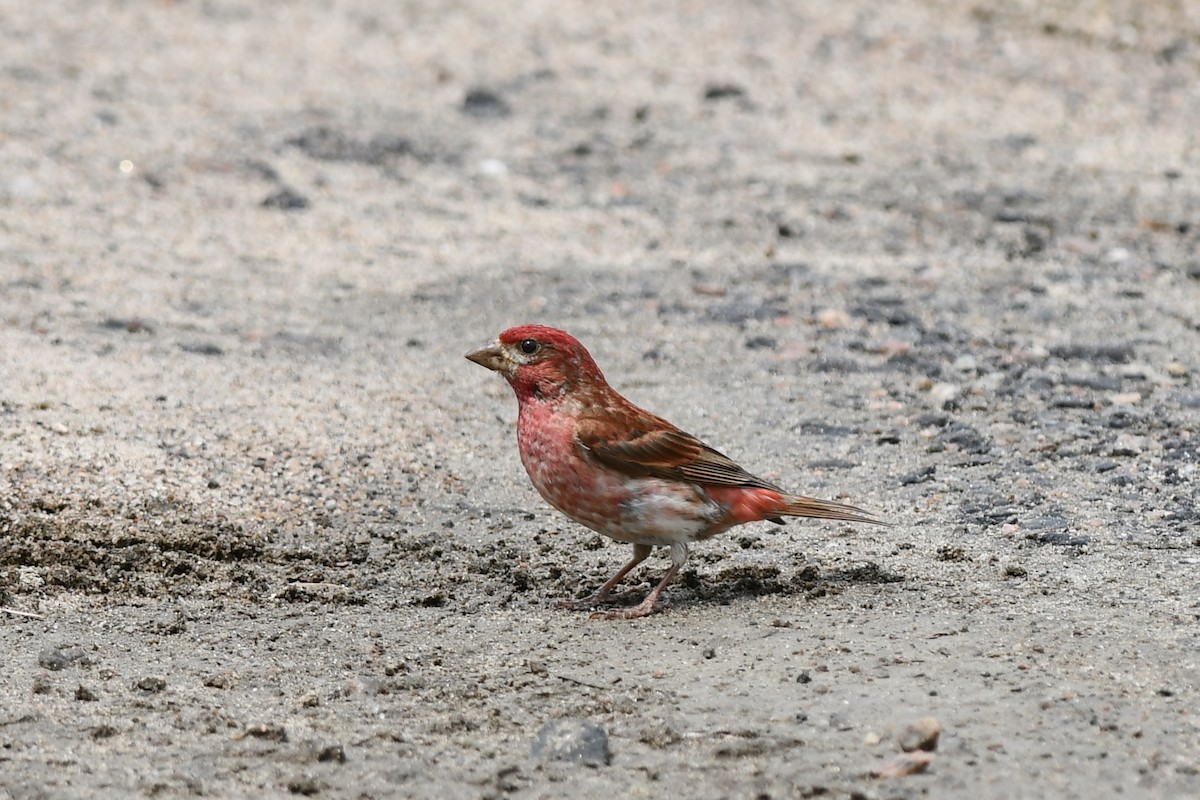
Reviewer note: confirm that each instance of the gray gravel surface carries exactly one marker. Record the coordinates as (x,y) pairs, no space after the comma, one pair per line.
(263,531)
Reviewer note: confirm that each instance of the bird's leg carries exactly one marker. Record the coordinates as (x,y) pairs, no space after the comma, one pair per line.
(602,595)
(679,556)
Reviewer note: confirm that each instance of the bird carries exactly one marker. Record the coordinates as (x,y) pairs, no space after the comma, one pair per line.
(624,472)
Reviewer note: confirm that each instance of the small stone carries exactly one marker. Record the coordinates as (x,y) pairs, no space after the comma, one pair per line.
(1113,353)
(151,684)
(218,680)
(1062,539)
(921,735)
(903,765)
(575,740)
(263,730)
(286,199)
(1013,570)
(61,657)
(1128,445)
(493,168)
(1117,255)
(1045,522)
(480,102)
(964,363)
(962,438)
(918,475)
(335,753)
(761,343)
(720,91)
(949,552)
(942,393)
(305,785)
(833,318)
(202,348)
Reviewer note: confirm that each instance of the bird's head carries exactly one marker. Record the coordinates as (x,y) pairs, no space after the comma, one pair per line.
(540,362)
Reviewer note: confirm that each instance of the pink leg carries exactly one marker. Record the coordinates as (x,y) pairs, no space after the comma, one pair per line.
(602,595)
(679,554)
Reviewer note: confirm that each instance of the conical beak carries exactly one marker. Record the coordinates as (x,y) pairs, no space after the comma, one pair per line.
(491,357)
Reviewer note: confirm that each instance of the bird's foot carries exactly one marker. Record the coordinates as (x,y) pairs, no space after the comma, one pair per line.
(643,609)
(599,599)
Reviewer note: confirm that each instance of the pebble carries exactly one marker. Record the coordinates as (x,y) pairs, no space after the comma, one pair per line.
(480,102)
(761,343)
(903,765)
(1013,569)
(833,318)
(1128,445)
(963,438)
(286,199)
(942,393)
(921,735)
(964,363)
(575,740)
(1126,398)
(151,684)
(720,91)
(1045,522)
(1112,353)
(264,730)
(918,475)
(493,168)
(61,657)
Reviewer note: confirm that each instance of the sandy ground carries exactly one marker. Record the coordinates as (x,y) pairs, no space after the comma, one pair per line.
(263,531)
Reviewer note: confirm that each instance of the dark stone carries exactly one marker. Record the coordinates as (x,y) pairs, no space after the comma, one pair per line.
(1112,353)
(286,199)
(965,438)
(918,475)
(574,740)
(481,102)
(151,684)
(761,343)
(62,656)
(1062,539)
(202,348)
(721,91)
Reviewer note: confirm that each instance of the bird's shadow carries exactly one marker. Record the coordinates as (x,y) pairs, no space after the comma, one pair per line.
(743,581)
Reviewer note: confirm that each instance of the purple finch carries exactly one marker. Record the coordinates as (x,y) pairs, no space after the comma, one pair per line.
(622,471)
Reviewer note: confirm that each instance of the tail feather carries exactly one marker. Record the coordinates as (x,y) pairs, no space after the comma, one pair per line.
(799,506)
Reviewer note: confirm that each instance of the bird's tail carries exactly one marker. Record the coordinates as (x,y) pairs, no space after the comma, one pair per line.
(800,506)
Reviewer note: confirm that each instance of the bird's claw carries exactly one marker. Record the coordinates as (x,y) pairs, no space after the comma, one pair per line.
(642,610)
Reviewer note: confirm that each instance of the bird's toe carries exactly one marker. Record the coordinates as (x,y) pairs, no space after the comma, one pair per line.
(642,610)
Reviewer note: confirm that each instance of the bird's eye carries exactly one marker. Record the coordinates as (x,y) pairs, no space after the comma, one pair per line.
(529,346)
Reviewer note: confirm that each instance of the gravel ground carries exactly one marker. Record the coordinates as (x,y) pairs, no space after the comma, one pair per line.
(264,531)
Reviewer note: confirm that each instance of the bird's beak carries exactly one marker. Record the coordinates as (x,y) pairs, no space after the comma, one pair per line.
(492,357)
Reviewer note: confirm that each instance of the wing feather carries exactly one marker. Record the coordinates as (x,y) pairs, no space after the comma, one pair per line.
(664,452)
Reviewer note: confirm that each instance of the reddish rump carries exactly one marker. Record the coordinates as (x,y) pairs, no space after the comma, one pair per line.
(747,505)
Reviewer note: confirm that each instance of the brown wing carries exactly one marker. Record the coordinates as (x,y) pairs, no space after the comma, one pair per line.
(664,452)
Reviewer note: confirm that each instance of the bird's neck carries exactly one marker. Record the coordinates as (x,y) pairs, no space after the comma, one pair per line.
(538,390)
